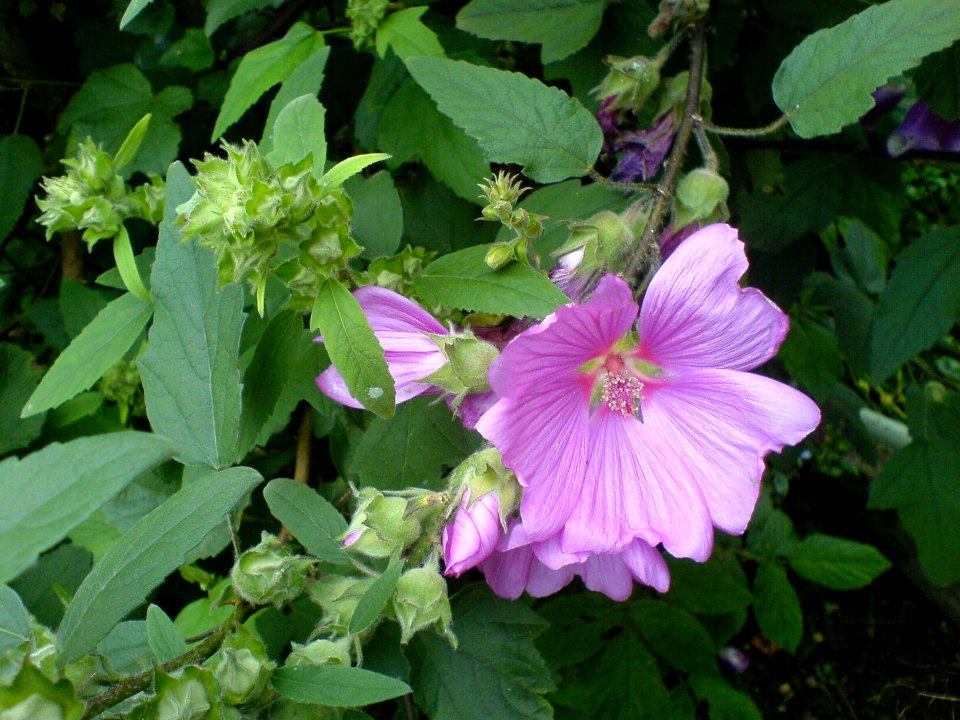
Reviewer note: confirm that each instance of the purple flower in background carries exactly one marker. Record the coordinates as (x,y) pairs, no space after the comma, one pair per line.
(645,150)
(923,129)
(473,535)
(400,326)
(655,438)
(885,98)
(542,568)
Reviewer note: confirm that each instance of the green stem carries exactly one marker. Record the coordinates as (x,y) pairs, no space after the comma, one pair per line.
(744,132)
(648,252)
(130,686)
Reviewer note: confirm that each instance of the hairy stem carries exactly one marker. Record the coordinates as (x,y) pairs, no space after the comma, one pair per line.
(648,252)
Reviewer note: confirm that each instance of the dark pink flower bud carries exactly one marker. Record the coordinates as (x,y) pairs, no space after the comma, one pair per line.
(473,535)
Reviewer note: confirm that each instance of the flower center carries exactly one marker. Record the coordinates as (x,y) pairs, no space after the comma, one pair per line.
(621,392)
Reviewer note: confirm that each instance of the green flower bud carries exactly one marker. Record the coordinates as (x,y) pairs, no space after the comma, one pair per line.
(629,82)
(192,694)
(121,384)
(338,595)
(33,696)
(269,574)
(321,652)
(365,17)
(381,525)
(468,363)
(500,255)
(243,671)
(698,195)
(421,601)
(483,473)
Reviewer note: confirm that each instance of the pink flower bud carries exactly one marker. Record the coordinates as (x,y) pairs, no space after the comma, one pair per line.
(473,535)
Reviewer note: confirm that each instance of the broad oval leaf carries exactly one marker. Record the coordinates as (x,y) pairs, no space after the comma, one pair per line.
(67,483)
(777,607)
(20,165)
(826,81)
(463,280)
(313,521)
(190,371)
(836,563)
(18,381)
(299,131)
(146,554)
(15,623)
(407,35)
(164,638)
(515,118)
(353,348)
(336,686)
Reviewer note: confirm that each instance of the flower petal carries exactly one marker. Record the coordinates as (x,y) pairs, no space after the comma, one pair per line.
(507,572)
(695,314)
(636,486)
(388,311)
(723,422)
(565,340)
(647,565)
(473,535)
(607,574)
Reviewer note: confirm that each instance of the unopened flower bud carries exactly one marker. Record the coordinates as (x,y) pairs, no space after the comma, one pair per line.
(243,670)
(421,601)
(629,82)
(500,255)
(338,595)
(699,194)
(467,367)
(269,574)
(191,695)
(321,652)
(473,535)
(383,523)
(31,695)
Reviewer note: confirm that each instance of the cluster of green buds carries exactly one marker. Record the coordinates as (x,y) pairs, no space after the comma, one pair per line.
(191,692)
(468,365)
(502,193)
(269,574)
(365,17)
(121,384)
(386,523)
(260,220)
(398,272)
(94,198)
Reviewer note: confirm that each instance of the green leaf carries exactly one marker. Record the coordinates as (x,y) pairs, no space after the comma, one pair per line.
(150,551)
(221,11)
(353,348)
(190,370)
(725,702)
(377,221)
(67,483)
(15,624)
(133,9)
(18,381)
(193,51)
(463,280)
(131,143)
(811,354)
(305,80)
(127,265)
(938,82)
(313,521)
(722,575)
(261,69)
(20,165)
(569,200)
(412,448)
(336,686)
(163,636)
(94,351)
(407,35)
(276,359)
(375,598)
(920,303)
(676,636)
(59,571)
(113,101)
(922,483)
(495,673)
(562,26)
(863,258)
(777,606)
(412,126)
(826,81)
(298,132)
(836,563)
(515,118)
(345,169)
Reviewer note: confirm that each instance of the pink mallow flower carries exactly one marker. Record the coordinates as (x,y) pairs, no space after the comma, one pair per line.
(400,326)
(473,535)
(654,437)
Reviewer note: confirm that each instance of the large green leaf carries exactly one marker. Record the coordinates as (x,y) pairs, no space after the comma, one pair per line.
(826,81)
(920,303)
(15,626)
(66,484)
(515,118)
(18,380)
(298,132)
(938,82)
(463,280)
(336,686)
(495,673)
(112,101)
(134,8)
(313,521)
(305,80)
(95,350)
(353,348)
(151,550)
(676,636)
(263,68)
(190,371)
(922,483)
(561,26)
(837,563)
(411,126)
(404,32)
(221,11)
(20,165)
(412,448)
(777,607)
(377,221)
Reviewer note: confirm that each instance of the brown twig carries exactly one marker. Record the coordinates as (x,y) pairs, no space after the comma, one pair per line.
(647,251)
(301,470)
